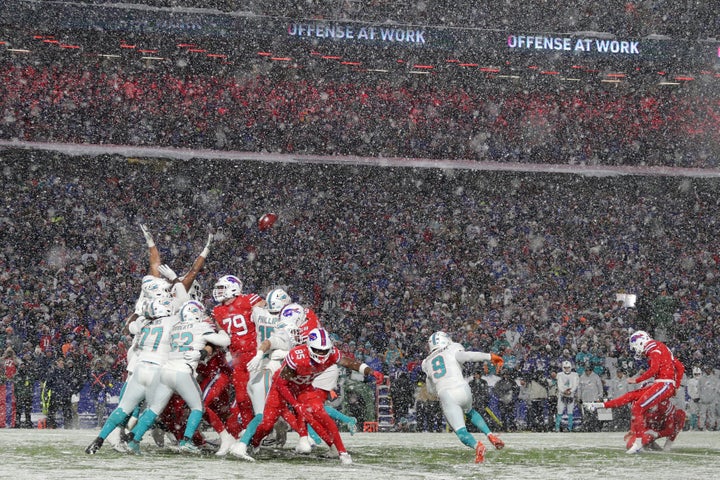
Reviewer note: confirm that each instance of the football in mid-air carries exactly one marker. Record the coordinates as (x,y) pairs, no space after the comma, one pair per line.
(267,221)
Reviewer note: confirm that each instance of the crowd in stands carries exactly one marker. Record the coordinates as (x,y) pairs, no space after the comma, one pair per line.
(638,18)
(524,265)
(112,104)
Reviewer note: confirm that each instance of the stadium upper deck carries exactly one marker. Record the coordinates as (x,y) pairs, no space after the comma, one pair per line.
(625,44)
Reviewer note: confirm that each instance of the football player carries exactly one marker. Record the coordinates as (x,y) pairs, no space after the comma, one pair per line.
(293,385)
(443,367)
(233,314)
(189,335)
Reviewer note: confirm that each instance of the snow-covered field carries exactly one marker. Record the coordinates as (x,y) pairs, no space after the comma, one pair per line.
(42,454)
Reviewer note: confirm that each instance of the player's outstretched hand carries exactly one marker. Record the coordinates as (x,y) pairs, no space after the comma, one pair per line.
(148,236)
(254,364)
(167,272)
(206,250)
(379,377)
(497,360)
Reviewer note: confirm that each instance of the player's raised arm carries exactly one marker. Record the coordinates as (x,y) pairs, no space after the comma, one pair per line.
(197,265)
(155,261)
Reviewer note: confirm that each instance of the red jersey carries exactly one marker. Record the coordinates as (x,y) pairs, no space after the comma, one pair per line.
(214,365)
(306,369)
(235,320)
(661,361)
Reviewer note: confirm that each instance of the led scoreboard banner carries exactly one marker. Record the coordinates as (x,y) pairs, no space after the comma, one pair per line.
(240,31)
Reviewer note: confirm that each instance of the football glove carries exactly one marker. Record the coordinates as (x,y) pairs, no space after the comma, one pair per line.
(167,272)
(379,377)
(496,360)
(206,250)
(148,236)
(254,363)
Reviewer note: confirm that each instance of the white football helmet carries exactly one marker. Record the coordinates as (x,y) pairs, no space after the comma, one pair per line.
(638,340)
(294,314)
(277,299)
(320,344)
(439,340)
(158,308)
(155,287)
(192,311)
(195,292)
(567,366)
(226,288)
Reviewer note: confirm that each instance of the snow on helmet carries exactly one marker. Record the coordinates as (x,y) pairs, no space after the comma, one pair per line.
(192,311)
(155,287)
(158,308)
(277,299)
(439,340)
(226,288)
(320,344)
(638,340)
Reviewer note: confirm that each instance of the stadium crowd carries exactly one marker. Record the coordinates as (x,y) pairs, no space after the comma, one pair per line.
(527,266)
(638,18)
(112,104)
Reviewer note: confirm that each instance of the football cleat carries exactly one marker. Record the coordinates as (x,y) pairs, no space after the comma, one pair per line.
(636,447)
(332,453)
(479,453)
(303,445)
(133,447)
(188,447)
(94,446)
(239,450)
(226,443)
(668,444)
(158,435)
(345,458)
(495,440)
